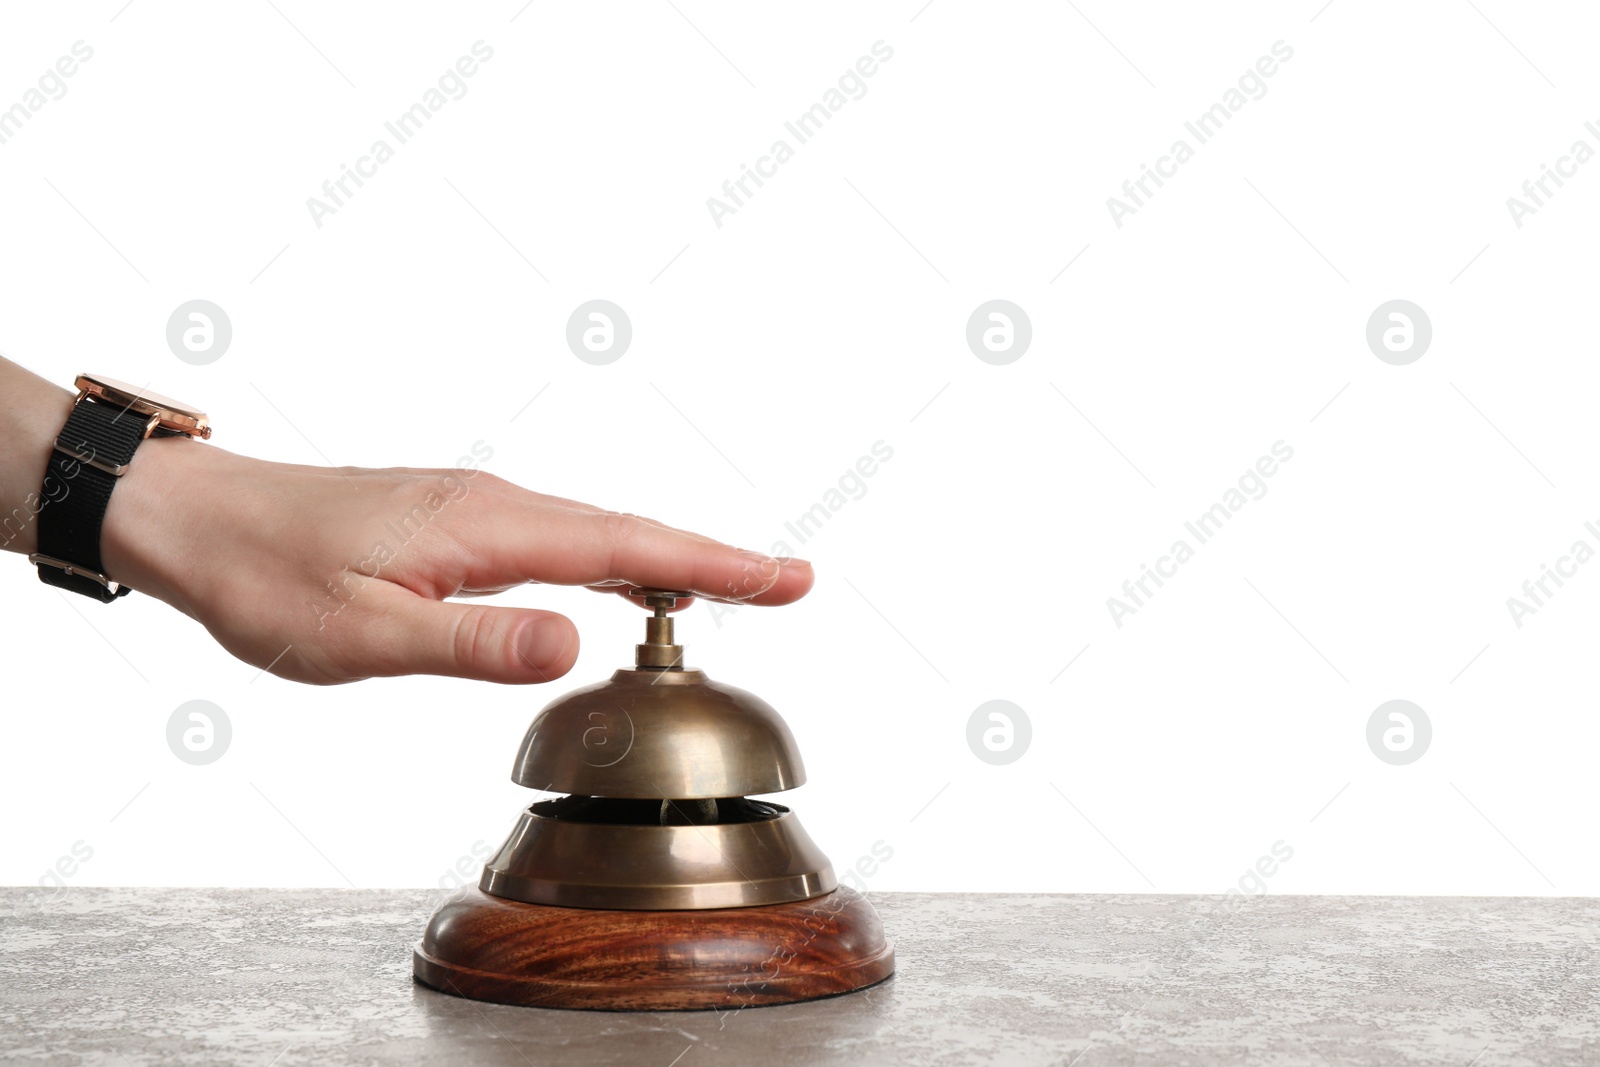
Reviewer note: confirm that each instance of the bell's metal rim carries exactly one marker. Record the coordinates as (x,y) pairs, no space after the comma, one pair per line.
(771,861)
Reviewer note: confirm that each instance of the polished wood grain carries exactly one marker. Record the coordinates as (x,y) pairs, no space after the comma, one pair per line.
(486,948)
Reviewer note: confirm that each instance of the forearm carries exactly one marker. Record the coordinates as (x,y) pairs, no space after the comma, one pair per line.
(35,412)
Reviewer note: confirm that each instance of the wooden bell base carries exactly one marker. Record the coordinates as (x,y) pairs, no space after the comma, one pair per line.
(487,948)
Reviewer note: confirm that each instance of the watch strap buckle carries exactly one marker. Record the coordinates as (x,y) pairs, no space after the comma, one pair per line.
(108,591)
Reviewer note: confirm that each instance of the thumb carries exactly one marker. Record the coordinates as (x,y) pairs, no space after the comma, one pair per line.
(410,634)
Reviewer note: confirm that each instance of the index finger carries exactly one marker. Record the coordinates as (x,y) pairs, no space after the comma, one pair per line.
(523,537)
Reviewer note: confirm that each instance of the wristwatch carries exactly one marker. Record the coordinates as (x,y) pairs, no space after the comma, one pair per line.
(109,421)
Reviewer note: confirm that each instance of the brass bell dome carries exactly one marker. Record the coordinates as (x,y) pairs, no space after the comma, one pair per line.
(659,731)
(657,734)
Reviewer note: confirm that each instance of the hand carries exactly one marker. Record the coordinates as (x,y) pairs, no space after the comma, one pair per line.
(348,568)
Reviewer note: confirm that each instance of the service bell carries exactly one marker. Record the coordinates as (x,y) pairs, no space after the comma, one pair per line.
(656,881)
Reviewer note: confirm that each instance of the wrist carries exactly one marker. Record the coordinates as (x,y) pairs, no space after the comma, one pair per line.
(148,531)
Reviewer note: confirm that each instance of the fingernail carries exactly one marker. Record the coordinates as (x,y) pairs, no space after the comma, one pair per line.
(545,644)
(793,561)
(756,557)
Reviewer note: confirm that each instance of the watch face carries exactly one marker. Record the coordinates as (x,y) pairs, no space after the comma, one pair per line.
(173,414)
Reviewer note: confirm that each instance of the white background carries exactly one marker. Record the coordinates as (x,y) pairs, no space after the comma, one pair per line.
(827,314)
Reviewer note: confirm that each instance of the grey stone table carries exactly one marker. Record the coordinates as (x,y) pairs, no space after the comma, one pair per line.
(281,977)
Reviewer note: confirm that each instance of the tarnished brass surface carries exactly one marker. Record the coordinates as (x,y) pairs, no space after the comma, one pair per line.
(659,734)
(659,731)
(658,868)
(660,648)
(657,762)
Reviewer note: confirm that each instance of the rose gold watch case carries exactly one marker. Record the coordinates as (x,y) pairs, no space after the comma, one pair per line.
(169,414)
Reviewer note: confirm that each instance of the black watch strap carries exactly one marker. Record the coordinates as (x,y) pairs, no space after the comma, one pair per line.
(94,447)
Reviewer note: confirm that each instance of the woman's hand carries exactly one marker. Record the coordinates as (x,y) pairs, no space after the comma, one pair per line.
(336,574)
